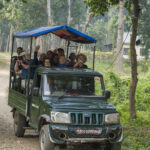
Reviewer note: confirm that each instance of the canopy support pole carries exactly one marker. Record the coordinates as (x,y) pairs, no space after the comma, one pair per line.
(29,68)
(28,80)
(94,56)
(68,48)
(11,71)
(12,46)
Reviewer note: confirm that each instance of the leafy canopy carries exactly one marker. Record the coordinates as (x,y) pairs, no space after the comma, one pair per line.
(102,6)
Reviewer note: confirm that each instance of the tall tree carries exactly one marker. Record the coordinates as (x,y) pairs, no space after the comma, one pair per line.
(50,21)
(69,13)
(119,64)
(85,27)
(134,79)
(100,7)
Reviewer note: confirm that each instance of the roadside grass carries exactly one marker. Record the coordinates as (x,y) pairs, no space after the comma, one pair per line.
(136,132)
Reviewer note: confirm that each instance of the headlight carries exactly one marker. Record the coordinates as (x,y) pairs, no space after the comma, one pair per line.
(59,117)
(112,118)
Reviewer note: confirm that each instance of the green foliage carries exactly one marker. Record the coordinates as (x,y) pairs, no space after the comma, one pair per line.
(144,27)
(136,132)
(100,6)
(98,31)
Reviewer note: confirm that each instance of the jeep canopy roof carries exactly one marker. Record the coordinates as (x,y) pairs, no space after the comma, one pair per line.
(64,32)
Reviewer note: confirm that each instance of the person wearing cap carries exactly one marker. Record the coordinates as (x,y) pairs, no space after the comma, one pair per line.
(81,59)
(72,60)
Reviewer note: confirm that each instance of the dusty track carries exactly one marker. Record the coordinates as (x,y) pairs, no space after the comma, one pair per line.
(7,139)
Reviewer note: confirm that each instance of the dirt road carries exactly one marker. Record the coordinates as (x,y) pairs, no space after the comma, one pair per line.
(7,139)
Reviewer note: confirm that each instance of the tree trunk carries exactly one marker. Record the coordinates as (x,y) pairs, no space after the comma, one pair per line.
(49,12)
(134,79)
(41,44)
(1,40)
(50,23)
(10,38)
(119,65)
(7,45)
(69,13)
(85,28)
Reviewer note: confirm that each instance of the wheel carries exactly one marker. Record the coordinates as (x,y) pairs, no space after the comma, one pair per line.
(45,143)
(19,124)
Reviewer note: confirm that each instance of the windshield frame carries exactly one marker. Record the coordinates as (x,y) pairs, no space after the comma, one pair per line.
(84,75)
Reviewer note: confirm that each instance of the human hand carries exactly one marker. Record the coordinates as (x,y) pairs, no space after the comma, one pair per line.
(18,61)
(80,61)
(37,48)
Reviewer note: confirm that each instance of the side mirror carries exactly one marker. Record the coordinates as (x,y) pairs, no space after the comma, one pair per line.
(107,94)
(35,91)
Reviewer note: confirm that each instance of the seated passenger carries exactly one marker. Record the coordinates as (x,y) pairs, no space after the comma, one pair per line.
(49,54)
(14,58)
(19,50)
(41,59)
(62,62)
(22,66)
(47,62)
(42,56)
(81,59)
(72,59)
(54,60)
(55,51)
(60,52)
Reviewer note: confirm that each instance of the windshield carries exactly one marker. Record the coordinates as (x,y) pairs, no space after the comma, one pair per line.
(72,86)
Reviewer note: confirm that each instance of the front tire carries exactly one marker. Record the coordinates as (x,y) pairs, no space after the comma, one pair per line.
(45,143)
(19,124)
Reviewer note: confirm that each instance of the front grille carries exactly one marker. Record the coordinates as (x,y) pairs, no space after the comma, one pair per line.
(86,118)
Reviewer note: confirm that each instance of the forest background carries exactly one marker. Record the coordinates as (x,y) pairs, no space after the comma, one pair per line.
(17,16)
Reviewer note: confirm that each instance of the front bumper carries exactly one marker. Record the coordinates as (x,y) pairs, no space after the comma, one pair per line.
(66,134)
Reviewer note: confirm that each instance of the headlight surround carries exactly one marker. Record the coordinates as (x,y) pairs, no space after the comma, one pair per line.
(59,117)
(112,118)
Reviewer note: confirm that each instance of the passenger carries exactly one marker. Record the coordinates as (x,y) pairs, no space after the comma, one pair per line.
(47,62)
(72,58)
(41,59)
(49,54)
(55,51)
(19,50)
(54,60)
(62,62)
(61,52)
(22,66)
(14,58)
(42,56)
(81,59)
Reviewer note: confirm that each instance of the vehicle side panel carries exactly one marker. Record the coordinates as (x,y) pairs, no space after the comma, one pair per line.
(18,101)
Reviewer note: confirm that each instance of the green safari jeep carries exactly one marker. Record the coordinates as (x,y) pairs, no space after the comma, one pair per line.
(67,107)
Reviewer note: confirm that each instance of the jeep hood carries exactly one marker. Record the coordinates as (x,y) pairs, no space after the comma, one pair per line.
(80,104)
